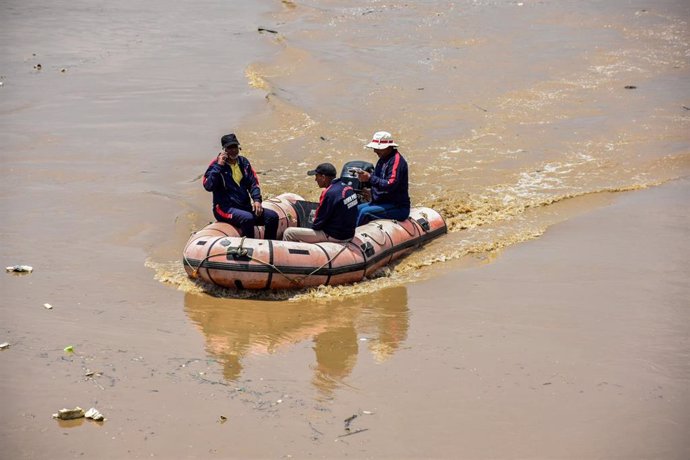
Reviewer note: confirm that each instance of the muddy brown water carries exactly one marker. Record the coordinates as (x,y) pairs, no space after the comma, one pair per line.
(550,322)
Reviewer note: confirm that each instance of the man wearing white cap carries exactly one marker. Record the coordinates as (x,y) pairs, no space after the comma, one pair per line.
(390,198)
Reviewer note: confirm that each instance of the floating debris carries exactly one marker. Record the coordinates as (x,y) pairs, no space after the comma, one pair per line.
(69,414)
(270,31)
(348,421)
(20,269)
(367,412)
(69,349)
(63,70)
(38,67)
(4,346)
(48,306)
(93,414)
(630,87)
(223,419)
(354,432)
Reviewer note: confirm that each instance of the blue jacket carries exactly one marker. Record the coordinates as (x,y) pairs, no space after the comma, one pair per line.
(226,193)
(337,211)
(389,182)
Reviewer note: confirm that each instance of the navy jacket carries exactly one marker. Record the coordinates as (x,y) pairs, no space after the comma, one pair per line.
(337,211)
(226,193)
(389,182)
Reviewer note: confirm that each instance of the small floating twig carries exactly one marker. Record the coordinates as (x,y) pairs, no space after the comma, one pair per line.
(353,432)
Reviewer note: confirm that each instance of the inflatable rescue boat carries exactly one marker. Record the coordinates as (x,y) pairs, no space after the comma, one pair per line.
(218,254)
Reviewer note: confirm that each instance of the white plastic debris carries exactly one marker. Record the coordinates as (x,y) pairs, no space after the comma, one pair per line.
(4,345)
(69,414)
(20,269)
(93,414)
(48,306)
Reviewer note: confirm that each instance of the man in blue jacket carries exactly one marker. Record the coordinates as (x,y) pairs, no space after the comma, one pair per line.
(336,214)
(236,193)
(390,198)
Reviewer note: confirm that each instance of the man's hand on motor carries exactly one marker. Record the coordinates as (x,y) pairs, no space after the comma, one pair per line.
(363,176)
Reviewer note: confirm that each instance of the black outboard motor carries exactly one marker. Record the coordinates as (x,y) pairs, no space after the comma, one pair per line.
(349,176)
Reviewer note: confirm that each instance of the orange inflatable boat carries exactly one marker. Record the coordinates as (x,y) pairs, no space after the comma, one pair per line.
(218,255)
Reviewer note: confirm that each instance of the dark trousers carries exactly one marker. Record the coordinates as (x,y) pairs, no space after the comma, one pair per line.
(246,220)
(369,212)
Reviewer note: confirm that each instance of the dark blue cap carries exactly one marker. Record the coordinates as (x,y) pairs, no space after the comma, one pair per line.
(228,140)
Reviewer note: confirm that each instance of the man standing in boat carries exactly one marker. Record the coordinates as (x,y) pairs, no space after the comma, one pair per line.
(336,214)
(236,193)
(390,198)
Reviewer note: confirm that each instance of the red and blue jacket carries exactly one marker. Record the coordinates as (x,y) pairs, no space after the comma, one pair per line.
(337,211)
(389,181)
(226,193)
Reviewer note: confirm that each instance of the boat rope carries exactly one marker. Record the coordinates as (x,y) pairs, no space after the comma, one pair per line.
(380,227)
(329,260)
(412,234)
(241,251)
(195,273)
(298,279)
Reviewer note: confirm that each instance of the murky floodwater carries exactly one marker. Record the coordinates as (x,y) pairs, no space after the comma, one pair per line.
(499,107)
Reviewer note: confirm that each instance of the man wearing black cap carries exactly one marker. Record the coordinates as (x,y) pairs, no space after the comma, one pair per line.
(236,193)
(336,214)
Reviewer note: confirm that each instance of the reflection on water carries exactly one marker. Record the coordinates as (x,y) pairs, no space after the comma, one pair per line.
(237,329)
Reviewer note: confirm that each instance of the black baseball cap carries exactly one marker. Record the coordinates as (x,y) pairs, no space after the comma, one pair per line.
(228,140)
(326,169)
